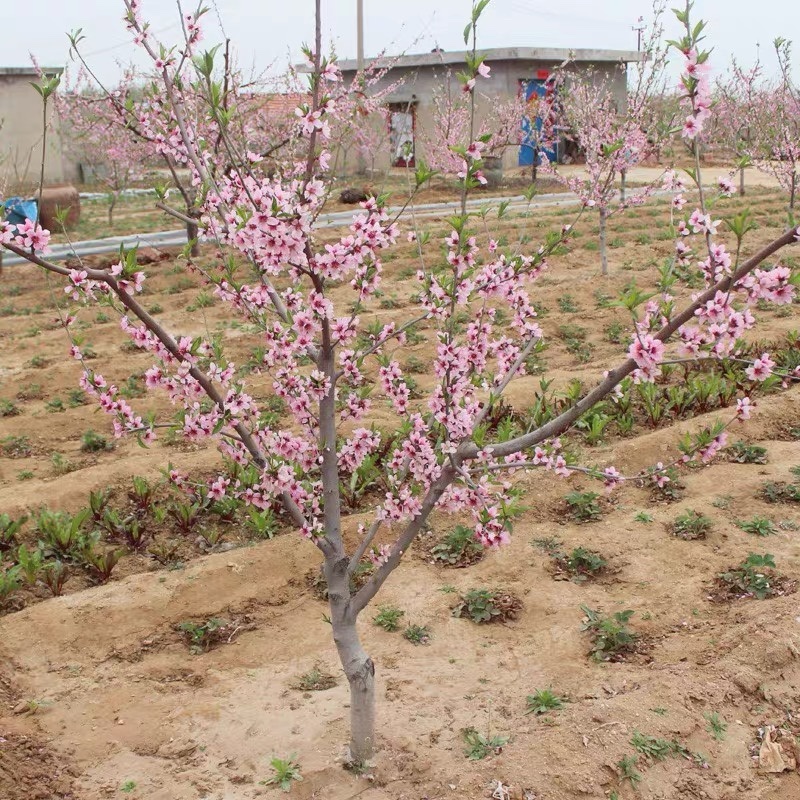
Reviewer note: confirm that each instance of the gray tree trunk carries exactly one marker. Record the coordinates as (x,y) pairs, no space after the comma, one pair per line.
(192,234)
(741,182)
(358,666)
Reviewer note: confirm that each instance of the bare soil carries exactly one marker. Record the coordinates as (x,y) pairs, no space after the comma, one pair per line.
(99,691)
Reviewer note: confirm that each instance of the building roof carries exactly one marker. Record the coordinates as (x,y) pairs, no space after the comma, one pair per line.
(30,72)
(439,58)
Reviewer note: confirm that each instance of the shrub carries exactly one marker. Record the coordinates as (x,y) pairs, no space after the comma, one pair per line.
(388,618)
(459,548)
(691,525)
(486,605)
(612,639)
(583,506)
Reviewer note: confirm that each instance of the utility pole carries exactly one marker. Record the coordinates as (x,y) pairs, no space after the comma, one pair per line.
(360,35)
(361,166)
(639,28)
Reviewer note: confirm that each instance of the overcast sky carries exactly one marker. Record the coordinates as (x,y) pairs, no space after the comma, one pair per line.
(269,32)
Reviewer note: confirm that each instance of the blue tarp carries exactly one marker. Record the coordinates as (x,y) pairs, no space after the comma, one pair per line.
(18,210)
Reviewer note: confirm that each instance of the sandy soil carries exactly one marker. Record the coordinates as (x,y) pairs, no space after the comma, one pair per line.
(99,692)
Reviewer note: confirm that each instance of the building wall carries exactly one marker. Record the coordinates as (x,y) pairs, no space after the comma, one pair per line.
(419,83)
(21,136)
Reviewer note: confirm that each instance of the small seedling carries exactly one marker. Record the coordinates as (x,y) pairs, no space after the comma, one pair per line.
(459,548)
(643,516)
(758,526)
(612,638)
(691,525)
(744,453)
(542,701)
(651,747)
(61,464)
(581,563)
(550,544)
(716,726)
(92,442)
(417,634)
(583,506)
(128,787)
(16,447)
(9,409)
(567,304)
(97,503)
(388,618)
(55,574)
(262,523)
(627,770)
(30,564)
(779,492)
(142,493)
(286,771)
(102,564)
(478,746)
(9,583)
(62,534)
(9,528)
(755,576)
(202,635)
(316,679)
(486,605)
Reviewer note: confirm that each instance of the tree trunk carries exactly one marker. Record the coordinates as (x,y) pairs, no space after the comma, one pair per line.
(358,666)
(360,671)
(741,181)
(792,195)
(192,234)
(603,252)
(111,206)
(623,176)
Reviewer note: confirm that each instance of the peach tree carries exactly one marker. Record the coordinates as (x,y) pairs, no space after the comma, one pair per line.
(309,295)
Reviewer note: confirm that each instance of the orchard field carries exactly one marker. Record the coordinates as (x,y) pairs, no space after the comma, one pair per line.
(179,671)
